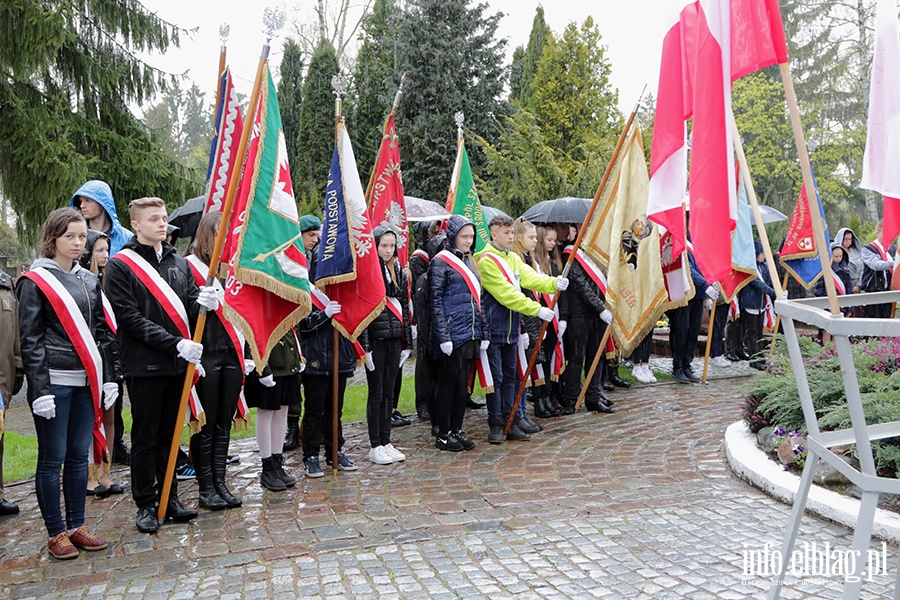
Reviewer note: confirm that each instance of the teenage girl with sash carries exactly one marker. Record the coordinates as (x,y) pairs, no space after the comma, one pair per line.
(94,259)
(548,261)
(219,391)
(68,359)
(458,328)
(388,339)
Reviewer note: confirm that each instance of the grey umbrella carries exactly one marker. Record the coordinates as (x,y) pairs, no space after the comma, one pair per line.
(418,209)
(770,215)
(490,212)
(560,210)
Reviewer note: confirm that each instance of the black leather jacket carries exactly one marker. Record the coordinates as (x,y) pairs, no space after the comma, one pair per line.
(583,299)
(148,338)
(386,325)
(45,344)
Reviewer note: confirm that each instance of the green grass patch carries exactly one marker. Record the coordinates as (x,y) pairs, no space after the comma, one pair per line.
(19,456)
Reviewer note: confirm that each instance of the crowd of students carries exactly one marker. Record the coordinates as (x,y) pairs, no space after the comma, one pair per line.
(104,310)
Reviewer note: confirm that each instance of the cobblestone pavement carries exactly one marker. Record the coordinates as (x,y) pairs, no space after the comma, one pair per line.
(639,504)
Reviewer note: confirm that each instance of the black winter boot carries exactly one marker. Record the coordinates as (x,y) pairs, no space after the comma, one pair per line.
(201,450)
(279,469)
(495,435)
(292,435)
(219,460)
(269,478)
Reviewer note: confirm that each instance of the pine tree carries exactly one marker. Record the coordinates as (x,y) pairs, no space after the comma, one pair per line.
(573,101)
(68,80)
(454,62)
(537,41)
(290,101)
(316,135)
(375,81)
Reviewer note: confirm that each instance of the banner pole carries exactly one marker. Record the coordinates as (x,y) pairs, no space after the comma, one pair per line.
(709,336)
(777,322)
(210,277)
(565,273)
(593,368)
(816,217)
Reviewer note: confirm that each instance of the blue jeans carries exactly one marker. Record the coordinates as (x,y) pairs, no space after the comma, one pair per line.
(65,438)
(502,359)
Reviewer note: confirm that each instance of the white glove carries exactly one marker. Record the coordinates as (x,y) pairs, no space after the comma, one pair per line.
(523,339)
(712,292)
(332,308)
(200,370)
(606,316)
(190,351)
(545,314)
(485,344)
(562,283)
(370,364)
(249,365)
(208,297)
(110,394)
(447,348)
(707,304)
(562,327)
(415,332)
(268,381)
(45,406)
(302,366)
(404,354)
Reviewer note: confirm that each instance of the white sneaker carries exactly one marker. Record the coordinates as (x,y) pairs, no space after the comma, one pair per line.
(638,373)
(648,374)
(395,454)
(720,361)
(379,456)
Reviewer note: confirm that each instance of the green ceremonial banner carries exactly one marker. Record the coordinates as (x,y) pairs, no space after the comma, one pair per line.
(270,251)
(463,197)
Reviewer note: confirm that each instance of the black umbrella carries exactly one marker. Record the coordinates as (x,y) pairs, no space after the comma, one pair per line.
(490,212)
(561,210)
(187,216)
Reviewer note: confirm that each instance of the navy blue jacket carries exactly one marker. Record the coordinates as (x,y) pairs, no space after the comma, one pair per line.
(753,295)
(454,314)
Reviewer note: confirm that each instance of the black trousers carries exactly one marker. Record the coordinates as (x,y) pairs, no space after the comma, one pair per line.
(641,354)
(452,389)
(877,311)
(118,424)
(718,331)
(684,329)
(753,334)
(318,412)
(582,341)
(425,377)
(381,380)
(218,393)
(154,412)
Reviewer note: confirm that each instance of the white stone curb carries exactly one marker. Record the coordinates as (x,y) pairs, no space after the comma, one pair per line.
(752,465)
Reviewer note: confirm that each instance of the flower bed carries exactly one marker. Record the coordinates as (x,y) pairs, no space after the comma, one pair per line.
(773,400)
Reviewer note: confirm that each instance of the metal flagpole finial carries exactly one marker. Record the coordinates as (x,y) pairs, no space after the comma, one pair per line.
(460,118)
(224,32)
(339,85)
(273,21)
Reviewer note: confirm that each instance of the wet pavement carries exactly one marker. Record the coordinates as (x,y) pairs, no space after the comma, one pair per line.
(638,504)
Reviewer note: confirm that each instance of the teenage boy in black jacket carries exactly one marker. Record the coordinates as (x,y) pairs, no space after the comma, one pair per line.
(154,351)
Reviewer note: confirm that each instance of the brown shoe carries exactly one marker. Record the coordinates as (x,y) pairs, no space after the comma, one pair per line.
(84,539)
(61,547)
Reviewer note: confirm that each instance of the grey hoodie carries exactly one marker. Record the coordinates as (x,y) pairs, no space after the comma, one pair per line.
(854,254)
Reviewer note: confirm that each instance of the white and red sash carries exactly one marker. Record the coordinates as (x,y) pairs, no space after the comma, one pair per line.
(199,270)
(320,300)
(558,360)
(880,247)
(504,268)
(85,345)
(838,284)
(421,254)
(590,267)
(537,372)
(465,272)
(769,322)
(482,366)
(734,309)
(109,314)
(396,309)
(172,305)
